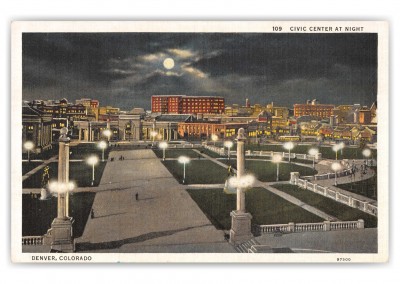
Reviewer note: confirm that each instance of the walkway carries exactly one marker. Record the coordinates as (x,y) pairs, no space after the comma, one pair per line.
(164,215)
(38,168)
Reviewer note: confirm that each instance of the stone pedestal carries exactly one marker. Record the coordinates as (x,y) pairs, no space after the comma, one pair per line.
(294,176)
(241,227)
(61,235)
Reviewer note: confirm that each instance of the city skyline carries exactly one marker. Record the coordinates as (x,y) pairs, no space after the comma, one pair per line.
(126,69)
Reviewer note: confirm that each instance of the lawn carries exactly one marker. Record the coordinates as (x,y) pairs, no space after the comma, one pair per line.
(79,172)
(265,207)
(28,166)
(266,171)
(84,150)
(37,215)
(367,187)
(327,205)
(197,171)
(212,154)
(175,153)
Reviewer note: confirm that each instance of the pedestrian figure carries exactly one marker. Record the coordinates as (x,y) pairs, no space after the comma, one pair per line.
(92,214)
(137,196)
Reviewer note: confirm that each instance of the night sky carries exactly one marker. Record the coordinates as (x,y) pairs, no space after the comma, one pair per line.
(126,69)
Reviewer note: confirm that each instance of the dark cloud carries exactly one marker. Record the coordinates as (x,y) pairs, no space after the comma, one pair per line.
(125,69)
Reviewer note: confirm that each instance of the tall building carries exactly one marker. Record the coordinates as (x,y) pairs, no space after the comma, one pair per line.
(313,108)
(187,104)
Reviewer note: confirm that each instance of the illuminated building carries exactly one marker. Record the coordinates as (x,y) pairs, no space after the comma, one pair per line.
(187,104)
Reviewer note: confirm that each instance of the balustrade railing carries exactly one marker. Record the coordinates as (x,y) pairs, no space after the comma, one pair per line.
(337,196)
(310,227)
(32,240)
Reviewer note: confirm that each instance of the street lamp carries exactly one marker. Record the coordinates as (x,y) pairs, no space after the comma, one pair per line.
(214,137)
(153,135)
(243,182)
(163,145)
(288,146)
(93,160)
(366,153)
(313,152)
(184,160)
(61,187)
(107,133)
(338,147)
(228,144)
(28,145)
(277,159)
(102,146)
(336,167)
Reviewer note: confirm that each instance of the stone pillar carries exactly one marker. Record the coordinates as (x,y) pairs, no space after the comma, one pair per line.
(241,221)
(61,229)
(294,176)
(327,225)
(360,224)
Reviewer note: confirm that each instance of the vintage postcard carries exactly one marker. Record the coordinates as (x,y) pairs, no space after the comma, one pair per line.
(200,142)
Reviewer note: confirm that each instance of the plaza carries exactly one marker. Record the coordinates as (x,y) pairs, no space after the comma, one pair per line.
(141,205)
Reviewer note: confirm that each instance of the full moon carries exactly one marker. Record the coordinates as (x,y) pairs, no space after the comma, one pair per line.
(169,63)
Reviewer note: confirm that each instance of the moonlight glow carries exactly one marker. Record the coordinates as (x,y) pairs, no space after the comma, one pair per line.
(169,63)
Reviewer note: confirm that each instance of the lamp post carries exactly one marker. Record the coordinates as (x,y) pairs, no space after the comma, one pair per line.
(336,167)
(228,144)
(102,146)
(163,145)
(214,138)
(338,147)
(277,159)
(184,160)
(93,160)
(28,145)
(153,135)
(107,133)
(366,153)
(288,146)
(313,152)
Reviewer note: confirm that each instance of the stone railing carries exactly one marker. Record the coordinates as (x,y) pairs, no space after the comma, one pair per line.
(218,150)
(334,194)
(269,154)
(343,173)
(32,240)
(309,227)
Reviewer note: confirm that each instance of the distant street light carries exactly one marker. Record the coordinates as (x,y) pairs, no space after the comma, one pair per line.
(184,160)
(288,146)
(153,135)
(102,146)
(93,160)
(28,145)
(366,153)
(163,145)
(228,144)
(277,159)
(336,167)
(313,152)
(108,134)
(338,147)
(214,138)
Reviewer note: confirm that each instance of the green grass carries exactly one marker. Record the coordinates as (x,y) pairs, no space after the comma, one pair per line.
(367,187)
(211,153)
(327,205)
(175,153)
(265,207)
(197,172)
(84,150)
(79,172)
(27,167)
(266,171)
(37,215)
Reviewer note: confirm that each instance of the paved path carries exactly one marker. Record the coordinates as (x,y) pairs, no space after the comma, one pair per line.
(297,202)
(348,241)
(38,168)
(164,215)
